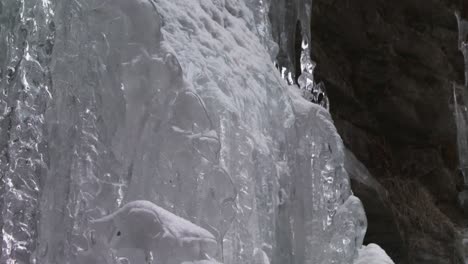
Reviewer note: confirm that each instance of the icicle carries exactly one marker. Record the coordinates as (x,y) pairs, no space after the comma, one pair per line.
(312,91)
(461,117)
(462,41)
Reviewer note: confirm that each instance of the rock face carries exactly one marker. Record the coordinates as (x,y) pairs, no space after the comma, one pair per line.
(384,227)
(388,68)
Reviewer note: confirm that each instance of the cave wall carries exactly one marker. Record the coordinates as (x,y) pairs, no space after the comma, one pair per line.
(388,67)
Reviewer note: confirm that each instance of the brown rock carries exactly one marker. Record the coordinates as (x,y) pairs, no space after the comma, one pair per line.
(388,68)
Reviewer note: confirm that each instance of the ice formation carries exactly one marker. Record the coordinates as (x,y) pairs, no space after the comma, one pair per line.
(460,101)
(460,96)
(201,262)
(294,55)
(172,101)
(461,119)
(373,254)
(463,40)
(156,232)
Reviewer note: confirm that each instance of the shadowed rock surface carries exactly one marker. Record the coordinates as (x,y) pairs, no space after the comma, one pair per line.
(388,68)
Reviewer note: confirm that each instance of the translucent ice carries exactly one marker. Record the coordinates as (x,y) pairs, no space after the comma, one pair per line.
(201,262)
(350,223)
(175,102)
(462,39)
(461,117)
(26,40)
(373,254)
(155,231)
(460,95)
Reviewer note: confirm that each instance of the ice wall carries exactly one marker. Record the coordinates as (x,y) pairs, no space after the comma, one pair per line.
(26,32)
(461,99)
(290,30)
(462,40)
(172,101)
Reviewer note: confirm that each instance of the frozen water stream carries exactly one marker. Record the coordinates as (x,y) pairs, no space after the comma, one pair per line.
(175,102)
(460,95)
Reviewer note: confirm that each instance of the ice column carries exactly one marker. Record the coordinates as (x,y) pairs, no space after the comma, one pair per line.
(175,102)
(26,42)
(291,30)
(460,95)
(312,91)
(461,99)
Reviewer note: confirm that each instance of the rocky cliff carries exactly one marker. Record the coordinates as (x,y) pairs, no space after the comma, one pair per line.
(388,68)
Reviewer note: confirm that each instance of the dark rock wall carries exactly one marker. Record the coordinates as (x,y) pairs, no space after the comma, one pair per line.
(388,68)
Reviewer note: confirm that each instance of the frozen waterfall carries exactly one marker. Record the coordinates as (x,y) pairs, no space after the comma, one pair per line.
(460,101)
(175,102)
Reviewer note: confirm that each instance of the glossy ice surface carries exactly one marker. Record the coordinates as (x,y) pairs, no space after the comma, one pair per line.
(171,101)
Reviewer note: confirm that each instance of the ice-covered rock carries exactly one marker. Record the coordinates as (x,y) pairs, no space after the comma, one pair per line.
(145,226)
(460,102)
(373,254)
(201,262)
(96,252)
(175,102)
(260,257)
(460,97)
(350,223)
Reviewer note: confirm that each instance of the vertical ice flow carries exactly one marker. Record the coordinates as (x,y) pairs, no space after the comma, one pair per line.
(461,99)
(175,102)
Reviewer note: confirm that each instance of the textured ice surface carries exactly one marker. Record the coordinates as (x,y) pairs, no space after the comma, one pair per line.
(176,102)
(460,102)
(463,41)
(350,225)
(200,262)
(373,254)
(312,91)
(290,28)
(460,95)
(26,39)
(155,231)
